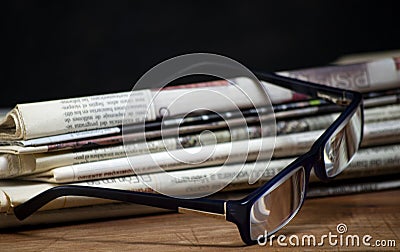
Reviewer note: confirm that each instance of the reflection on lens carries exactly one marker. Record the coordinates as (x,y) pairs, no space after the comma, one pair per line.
(344,143)
(277,206)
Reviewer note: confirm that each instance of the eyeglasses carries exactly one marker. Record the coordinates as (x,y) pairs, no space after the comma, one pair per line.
(271,206)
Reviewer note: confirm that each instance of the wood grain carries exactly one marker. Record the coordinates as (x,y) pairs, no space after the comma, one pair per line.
(376,214)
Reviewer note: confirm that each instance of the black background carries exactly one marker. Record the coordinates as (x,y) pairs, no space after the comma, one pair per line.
(58,49)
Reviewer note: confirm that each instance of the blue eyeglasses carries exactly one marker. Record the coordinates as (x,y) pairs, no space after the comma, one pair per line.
(271,206)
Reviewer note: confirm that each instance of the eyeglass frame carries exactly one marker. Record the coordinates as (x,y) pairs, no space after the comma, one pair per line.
(236,211)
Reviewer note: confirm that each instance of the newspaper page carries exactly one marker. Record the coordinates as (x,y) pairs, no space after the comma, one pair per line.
(185,183)
(351,187)
(363,77)
(285,146)
(371,114)
(376,114)
(23,160)
(34,163)
(34,120)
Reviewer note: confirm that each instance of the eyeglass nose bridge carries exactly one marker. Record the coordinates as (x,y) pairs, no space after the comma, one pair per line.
(316,162)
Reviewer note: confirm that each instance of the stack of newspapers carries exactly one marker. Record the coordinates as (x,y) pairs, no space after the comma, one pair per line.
(80,141)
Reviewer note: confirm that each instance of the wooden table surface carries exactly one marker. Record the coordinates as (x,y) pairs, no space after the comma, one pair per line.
(376,214)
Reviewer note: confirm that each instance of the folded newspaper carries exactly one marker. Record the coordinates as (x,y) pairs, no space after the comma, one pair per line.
(34,120)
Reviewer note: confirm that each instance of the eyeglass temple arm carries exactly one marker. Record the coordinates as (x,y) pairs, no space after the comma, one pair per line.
(209,206)
(333,94)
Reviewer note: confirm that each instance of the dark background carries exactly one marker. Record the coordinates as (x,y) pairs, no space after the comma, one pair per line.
(58,49)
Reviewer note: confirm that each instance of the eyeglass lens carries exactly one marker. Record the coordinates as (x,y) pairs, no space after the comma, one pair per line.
(278,205)
(343,144)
